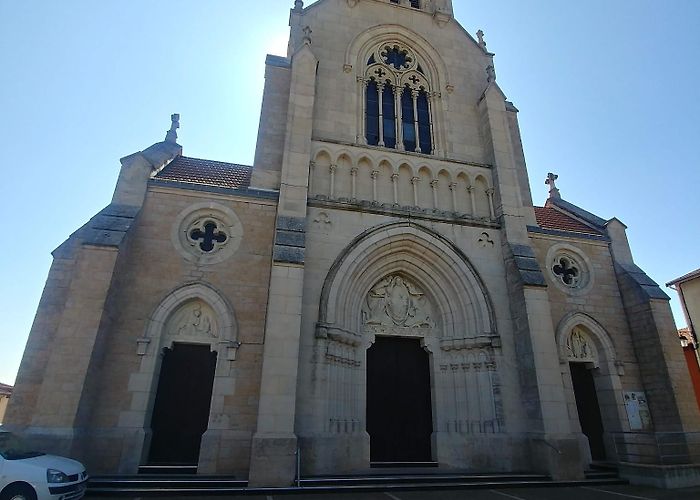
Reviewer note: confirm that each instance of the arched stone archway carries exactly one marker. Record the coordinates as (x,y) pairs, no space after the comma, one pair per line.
(193,314)
(587,351)
(402,280)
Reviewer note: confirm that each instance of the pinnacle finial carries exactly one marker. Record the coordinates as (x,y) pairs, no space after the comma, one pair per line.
(298,5)
(171,136)
(482,42)
(553,191)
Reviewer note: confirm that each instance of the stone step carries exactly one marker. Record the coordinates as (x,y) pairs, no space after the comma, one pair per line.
(203,486)
(418,479)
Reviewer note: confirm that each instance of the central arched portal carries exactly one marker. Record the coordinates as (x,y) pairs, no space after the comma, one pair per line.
(399,413)
(405,355)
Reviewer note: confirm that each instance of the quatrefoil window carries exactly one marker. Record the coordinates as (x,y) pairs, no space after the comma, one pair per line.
(567,270)
(208,235)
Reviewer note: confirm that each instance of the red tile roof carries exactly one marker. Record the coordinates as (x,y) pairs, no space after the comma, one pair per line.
(206,173)
(551,218)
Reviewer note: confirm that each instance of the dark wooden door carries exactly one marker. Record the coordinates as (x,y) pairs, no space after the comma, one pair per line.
(181,409)
(588,408)
(399,414)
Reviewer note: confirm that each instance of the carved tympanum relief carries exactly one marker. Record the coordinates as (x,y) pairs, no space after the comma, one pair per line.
(194,319)
(579,347)
(395,302)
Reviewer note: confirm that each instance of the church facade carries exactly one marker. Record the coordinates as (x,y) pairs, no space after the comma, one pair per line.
(377,288)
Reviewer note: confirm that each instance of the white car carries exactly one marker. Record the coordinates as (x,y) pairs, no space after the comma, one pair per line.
(32,475)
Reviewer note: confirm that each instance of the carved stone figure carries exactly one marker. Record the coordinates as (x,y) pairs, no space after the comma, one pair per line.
(193,321)
(395,302)
(577,346)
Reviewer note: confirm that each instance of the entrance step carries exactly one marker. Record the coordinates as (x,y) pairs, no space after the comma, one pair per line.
(159,484)
(415,479)
(400,465)
(183,469)
(172,485)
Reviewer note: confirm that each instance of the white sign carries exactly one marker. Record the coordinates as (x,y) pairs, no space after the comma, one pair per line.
(637,411)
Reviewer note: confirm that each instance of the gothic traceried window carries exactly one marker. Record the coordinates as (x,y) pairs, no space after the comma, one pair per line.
(397,101)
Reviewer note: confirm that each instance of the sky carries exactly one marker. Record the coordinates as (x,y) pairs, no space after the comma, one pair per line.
(606,93)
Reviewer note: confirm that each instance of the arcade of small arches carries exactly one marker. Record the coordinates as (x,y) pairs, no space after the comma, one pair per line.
(391,184)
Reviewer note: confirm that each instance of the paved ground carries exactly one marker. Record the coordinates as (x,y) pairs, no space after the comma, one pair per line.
(573,493)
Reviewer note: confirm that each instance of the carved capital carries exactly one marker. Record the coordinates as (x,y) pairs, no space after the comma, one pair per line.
(490,191)
(434,183)
(375,174)
(453,186)
(415,180)
(353,171)
(333,168)
(394,177)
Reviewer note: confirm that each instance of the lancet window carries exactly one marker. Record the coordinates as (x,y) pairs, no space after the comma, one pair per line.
(397,101)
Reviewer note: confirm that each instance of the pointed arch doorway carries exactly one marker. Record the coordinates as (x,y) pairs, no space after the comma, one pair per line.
(399,411)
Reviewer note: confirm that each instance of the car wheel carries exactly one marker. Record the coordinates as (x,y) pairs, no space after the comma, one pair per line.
(18,492)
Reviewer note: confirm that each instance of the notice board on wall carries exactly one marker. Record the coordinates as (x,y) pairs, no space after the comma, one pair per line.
(637,411)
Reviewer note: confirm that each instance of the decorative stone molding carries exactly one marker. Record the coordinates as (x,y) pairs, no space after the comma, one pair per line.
(207,233)
(458,295)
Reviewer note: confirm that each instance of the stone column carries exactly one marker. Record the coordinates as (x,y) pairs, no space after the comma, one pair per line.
(332,169)
(395,185)
(414,183)
(353,173)
(272,461)
(375,174)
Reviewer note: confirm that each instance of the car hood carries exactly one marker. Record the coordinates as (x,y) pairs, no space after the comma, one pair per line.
(65,465)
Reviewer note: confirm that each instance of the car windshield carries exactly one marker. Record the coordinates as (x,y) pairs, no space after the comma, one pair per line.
(14,448)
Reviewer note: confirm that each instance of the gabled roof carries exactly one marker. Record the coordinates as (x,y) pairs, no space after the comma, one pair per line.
(5,390)
(577,211)
(551,218)
(686,277)
(206,173)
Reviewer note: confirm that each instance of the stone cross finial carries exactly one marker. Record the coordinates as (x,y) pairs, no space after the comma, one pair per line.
(553,191)
(482,42)
(307,35)
(171,136)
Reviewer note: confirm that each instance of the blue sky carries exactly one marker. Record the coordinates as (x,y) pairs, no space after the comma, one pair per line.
(606,91)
